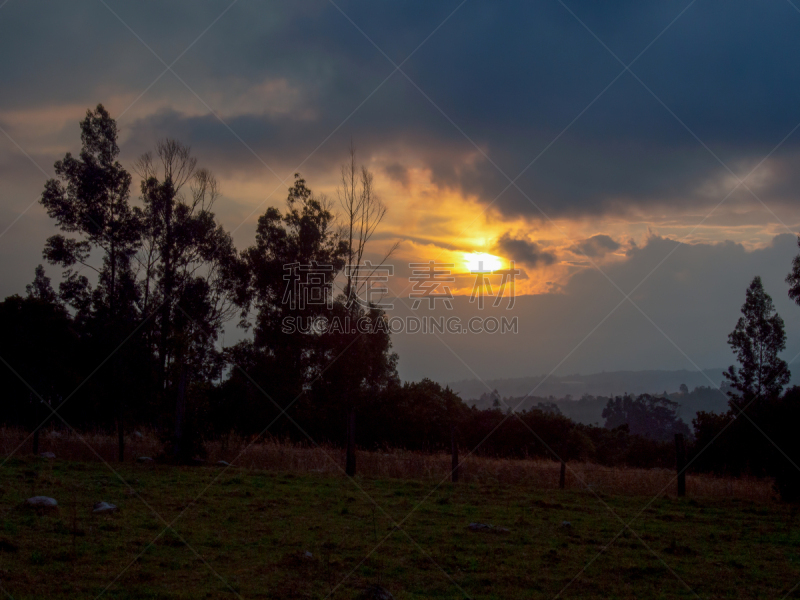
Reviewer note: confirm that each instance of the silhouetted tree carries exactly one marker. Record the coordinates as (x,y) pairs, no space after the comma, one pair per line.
(189,271)
(654,417)
(793,278)
(41,288)
(361,364)
(757,340)
(363,212)
(89,197)
(305,334)
(290,270)
(39,347)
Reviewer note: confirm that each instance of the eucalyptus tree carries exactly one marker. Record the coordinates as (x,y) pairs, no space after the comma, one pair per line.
(757,341)
(89,199)
(311,352)
(188,272)
(290,272)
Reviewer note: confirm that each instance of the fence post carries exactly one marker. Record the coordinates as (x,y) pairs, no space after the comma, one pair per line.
(350,461)
(563,475)
(680,464)
(454,448)
(37,414)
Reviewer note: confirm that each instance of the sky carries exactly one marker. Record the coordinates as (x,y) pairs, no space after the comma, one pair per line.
(638,161)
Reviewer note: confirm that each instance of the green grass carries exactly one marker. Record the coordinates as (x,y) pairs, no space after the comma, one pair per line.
(248,533)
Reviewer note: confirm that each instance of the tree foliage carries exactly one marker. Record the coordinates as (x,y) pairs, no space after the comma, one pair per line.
(757,341)
(654,417)
(89,197)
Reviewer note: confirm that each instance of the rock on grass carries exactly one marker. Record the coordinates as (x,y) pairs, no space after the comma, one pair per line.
(104,507)
(41,502)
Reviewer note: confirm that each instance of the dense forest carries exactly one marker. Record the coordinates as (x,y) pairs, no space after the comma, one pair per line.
(150,277)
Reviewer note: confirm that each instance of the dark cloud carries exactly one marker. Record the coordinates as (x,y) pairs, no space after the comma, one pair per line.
(398,173)
(523,251)
(511,77)
(596,246)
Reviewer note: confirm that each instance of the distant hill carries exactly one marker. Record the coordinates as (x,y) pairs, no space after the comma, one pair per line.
(582,398)
(611,383)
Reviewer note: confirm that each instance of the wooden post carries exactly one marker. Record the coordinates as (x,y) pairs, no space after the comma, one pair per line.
(454,448)
(563,476)
(120,437)
(680,464)
(350,460)
(180,450)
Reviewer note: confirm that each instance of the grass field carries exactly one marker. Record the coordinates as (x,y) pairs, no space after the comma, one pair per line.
(241,532)
(396,464)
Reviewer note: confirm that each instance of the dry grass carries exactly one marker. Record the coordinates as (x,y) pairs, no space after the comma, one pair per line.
(397,464)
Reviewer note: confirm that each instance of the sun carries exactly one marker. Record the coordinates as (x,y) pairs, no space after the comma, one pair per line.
(481,261)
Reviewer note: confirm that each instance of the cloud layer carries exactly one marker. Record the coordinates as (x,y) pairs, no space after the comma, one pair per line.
(511,128)
(479,101)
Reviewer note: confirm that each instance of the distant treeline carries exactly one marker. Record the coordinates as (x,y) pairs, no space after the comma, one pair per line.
(606,383)
(588,409)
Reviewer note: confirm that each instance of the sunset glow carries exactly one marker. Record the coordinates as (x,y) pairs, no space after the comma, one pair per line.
(481,261)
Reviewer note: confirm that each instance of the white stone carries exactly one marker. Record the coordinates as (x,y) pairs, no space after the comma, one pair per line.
(144,459)
(223,463)
(104,507)
(41,502)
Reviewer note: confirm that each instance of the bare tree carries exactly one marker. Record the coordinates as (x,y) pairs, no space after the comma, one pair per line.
(363,212)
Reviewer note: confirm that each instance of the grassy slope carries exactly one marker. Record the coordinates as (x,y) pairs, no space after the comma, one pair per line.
(250,531)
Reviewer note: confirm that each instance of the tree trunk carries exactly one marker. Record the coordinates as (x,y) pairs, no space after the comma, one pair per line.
(680,464)
(350,460)
(166,306)
(113,293)
(180,414)
(121,434)
(114,328)
(454,450)
(36,421)
(562,477)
